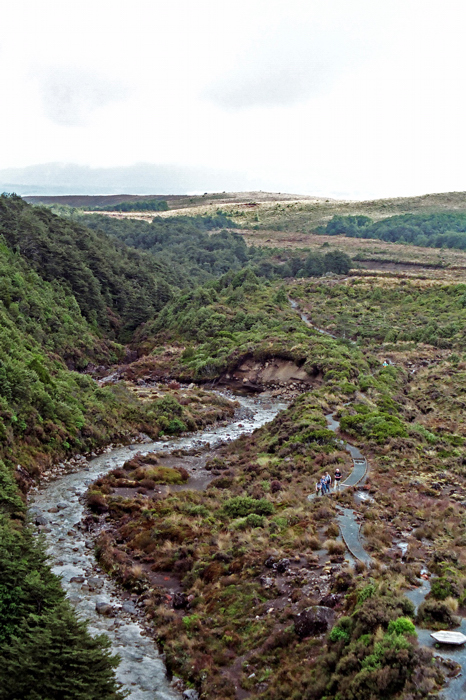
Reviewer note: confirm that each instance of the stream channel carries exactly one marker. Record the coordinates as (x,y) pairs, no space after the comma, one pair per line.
(141,670)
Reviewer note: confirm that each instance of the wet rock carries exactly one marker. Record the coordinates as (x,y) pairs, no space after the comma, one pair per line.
(77,579)
(41,520)
(62,505)
(190,694)
(104,608)
(282,566)
(129,607)
(315,620)
(95,582)
(74,599)
(54,509)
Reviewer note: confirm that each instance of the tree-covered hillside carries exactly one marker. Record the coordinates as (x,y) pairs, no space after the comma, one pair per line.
(204,252)
(438,230)
(138,205)
(116,287)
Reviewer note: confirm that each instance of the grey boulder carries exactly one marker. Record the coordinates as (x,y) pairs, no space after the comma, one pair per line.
(104,608)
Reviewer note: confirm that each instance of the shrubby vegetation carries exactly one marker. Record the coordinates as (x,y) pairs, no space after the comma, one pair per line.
(195,243)
(116,288)
(233,547)
(437,230)
(390,311)
(239,316)
(155,204)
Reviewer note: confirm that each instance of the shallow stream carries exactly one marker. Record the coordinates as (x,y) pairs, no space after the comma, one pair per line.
(142,670)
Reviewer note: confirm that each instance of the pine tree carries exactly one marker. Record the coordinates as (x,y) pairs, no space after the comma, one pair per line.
(53,657)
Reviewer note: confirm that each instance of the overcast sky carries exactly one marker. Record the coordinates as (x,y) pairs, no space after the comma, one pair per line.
(341,98)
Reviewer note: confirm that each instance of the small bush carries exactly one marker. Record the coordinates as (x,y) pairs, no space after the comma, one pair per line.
(176,426)
(337,634)
(166,475)
(241,506)
(254,520)
(334,547)
(442,588)
(367,592)
(402,625)
(96,503)
(436,614)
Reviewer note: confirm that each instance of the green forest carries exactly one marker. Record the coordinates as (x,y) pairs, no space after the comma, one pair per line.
(138,205)
(208,246)
(437,230)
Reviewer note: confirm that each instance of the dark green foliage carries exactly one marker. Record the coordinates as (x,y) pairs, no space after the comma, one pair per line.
(52,656)
(442,588)
(27,586)
(182,241)
(400,311)
(138,205)
(334,261)
(440,230)
(240,506)
(10,500)
(116,288)
(238,316)
(44,651)
(373,424)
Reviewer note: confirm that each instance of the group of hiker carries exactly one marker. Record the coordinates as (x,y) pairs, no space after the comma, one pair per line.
(324,484)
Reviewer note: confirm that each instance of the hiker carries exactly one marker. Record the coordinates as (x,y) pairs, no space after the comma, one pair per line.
(337,478)
(319,488)
(324,485)
(328,482)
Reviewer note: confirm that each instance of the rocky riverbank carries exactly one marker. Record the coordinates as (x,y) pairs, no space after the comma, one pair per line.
(58,507)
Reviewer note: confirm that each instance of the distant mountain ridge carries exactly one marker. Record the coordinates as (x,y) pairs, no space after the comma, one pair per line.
(139,179)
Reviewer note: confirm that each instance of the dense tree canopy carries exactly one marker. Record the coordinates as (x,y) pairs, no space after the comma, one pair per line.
(108,280)
(438,230)
(154,204)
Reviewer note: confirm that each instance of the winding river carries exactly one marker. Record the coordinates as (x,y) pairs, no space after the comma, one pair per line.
(141,670)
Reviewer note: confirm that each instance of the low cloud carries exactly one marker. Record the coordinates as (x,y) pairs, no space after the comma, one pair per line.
(290,65)
(141,178)
(70,94)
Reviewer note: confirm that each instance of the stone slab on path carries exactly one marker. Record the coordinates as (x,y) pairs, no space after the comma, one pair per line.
(446,637)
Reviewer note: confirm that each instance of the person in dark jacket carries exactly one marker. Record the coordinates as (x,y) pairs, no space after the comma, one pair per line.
(337,478)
